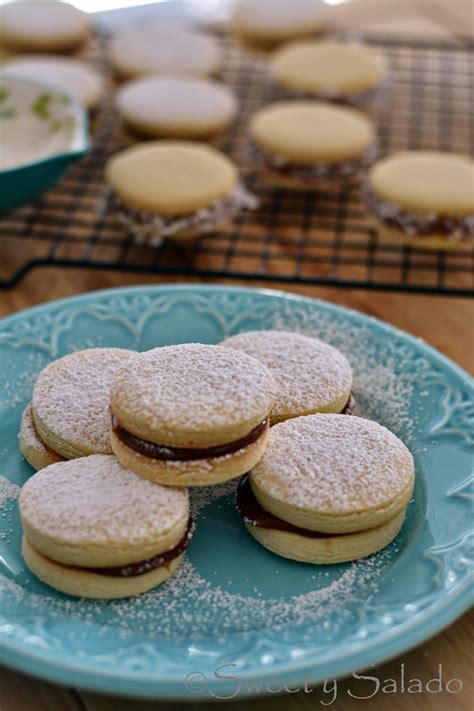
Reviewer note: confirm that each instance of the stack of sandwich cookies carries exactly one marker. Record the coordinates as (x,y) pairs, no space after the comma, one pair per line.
(309,144)
(94,529)
(178,189)
(423,198)
(176,107)
(329,489)
(311,376)
(191,414)
(35,451)
(330,71)
(70,403)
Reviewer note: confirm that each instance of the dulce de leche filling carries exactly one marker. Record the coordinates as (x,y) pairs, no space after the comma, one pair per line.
(132,570)
(184,454)
(254,513)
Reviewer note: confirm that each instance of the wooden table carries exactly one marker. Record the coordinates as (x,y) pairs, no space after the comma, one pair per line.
(444,322)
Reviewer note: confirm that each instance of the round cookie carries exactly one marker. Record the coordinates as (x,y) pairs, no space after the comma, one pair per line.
(94,529)
(311,144)
(311,376)
(326,476)
(174,189)
(70,76)
(329,70)
(70,401)
(423,198)
(176,107)
(191,414)
(267,24)
(43,26)
(163,49)
(35,451)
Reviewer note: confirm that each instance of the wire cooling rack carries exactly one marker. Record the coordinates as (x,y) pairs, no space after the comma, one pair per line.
(307,237)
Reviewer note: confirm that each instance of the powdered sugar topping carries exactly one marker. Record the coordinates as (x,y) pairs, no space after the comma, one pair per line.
(334,464)
(94,501)
(194,388)
(309,373)
(71,397)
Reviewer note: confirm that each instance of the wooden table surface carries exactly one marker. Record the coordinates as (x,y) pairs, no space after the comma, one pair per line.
(444,322)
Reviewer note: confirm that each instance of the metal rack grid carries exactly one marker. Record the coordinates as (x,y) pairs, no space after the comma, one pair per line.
(307,237)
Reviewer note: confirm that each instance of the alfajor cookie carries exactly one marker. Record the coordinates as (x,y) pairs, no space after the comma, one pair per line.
(176,107)
(178,189)
(330,71)
(266,24)
(191,414)
(70,402)
(310,144)
(35,451)
(164,49)
(328,489)
(424,199)
(94,529)
(310,375)
(70,76)
(42,26)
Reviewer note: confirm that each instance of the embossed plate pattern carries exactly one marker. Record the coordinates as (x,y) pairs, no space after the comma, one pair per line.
(235,607)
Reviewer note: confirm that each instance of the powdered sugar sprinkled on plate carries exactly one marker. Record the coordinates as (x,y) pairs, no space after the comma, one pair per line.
(8,490)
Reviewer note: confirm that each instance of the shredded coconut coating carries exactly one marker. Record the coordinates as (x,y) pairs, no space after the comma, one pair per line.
(71,397)
(334,464)
(194,388)
(96,501)
(309,373)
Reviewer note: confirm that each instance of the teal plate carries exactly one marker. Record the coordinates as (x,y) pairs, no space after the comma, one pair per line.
(235,619)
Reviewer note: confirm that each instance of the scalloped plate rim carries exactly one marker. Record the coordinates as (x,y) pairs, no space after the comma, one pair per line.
(402,637)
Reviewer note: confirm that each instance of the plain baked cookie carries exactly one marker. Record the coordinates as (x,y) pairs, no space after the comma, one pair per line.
(311,376)
(175,189)
(163,49)
(70,401)
(176,107)
(328,489)
(423,199)
(266,23)
(191,414)
(70,76)
(94,529)
(331,71)
(42,26)
(35,451)
(310,144)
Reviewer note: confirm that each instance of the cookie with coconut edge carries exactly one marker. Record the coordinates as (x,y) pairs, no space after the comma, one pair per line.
(176,107)
(423,199)
(174,189)
(264,25)
(192,414)
(44,26)
(328,489)
(164,49)
(70,401)
(35,451)
(305,145)
(68,75)
(94,529)
(330,71)
(311,376)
